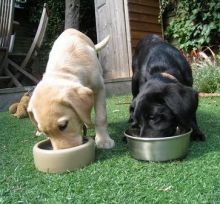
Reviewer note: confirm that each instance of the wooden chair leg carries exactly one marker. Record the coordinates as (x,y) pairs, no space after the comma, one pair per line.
(28,75)
(14,80)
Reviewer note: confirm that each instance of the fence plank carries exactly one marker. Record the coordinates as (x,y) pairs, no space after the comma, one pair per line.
(143,19)
(151,3)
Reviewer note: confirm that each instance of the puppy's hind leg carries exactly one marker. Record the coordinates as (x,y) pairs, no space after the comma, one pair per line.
(196,132)
(102,138)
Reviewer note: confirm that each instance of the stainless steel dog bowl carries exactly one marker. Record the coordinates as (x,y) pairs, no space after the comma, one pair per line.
(157,149)
(57,161)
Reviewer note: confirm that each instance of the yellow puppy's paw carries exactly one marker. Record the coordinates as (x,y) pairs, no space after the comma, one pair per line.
(104,143)
(38,133)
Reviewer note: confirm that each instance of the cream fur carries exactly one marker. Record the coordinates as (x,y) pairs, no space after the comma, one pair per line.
(72,84)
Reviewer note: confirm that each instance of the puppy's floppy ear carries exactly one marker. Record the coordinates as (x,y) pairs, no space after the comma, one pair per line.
(131,110)
(135,110)
(182,100)
(31,115)
(81,99)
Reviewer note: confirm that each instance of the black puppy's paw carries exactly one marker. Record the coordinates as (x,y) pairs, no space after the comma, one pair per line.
(198,136)
(124,139)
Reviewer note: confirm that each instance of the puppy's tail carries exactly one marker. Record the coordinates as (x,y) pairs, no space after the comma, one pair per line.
(102,44)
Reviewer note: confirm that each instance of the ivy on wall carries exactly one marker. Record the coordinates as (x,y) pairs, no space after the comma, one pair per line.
(195,23)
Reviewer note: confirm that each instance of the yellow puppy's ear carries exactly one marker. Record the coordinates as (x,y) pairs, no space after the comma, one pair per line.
(82,100)
(31,115)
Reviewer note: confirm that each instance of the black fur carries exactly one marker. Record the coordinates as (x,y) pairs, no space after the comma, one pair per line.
(162,103)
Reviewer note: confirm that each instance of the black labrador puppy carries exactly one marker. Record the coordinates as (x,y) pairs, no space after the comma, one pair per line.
(163,98)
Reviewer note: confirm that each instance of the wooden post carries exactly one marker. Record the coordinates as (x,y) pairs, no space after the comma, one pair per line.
(72,14)
(111,17)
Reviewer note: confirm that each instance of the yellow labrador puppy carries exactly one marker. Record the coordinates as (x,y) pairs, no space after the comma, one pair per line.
(71,85)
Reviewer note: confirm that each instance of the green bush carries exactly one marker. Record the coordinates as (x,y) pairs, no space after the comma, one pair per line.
(206,77)
(57,18)
(56,10)
(56,22)
(195,23)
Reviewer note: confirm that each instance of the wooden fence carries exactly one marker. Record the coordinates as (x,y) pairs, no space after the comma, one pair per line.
(127,21)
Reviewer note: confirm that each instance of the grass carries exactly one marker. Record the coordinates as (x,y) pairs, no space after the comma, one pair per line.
(114,177)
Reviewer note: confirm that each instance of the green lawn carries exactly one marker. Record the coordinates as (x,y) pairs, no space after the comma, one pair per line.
(114,177)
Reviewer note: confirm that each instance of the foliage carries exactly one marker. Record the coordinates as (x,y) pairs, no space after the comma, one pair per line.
(87,22)
(55,26)
(206,71)
(195,24)
(206,78)
(56,17)
(164,7)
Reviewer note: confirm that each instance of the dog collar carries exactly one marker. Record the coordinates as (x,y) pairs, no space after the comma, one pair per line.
(167,75)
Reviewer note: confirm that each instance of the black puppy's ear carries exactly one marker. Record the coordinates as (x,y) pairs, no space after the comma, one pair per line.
(133,113)
(183,101)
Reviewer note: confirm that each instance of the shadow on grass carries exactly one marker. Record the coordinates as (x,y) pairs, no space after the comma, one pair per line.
(208,123)
(116,131)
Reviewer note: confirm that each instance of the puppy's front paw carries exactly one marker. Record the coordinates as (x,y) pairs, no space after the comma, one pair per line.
(38,133)
(104,143)
(198,136)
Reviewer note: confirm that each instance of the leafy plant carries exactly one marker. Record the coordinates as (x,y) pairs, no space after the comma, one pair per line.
(207,79)
(56,17)
(195,24)
(56,20)
(206,73)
